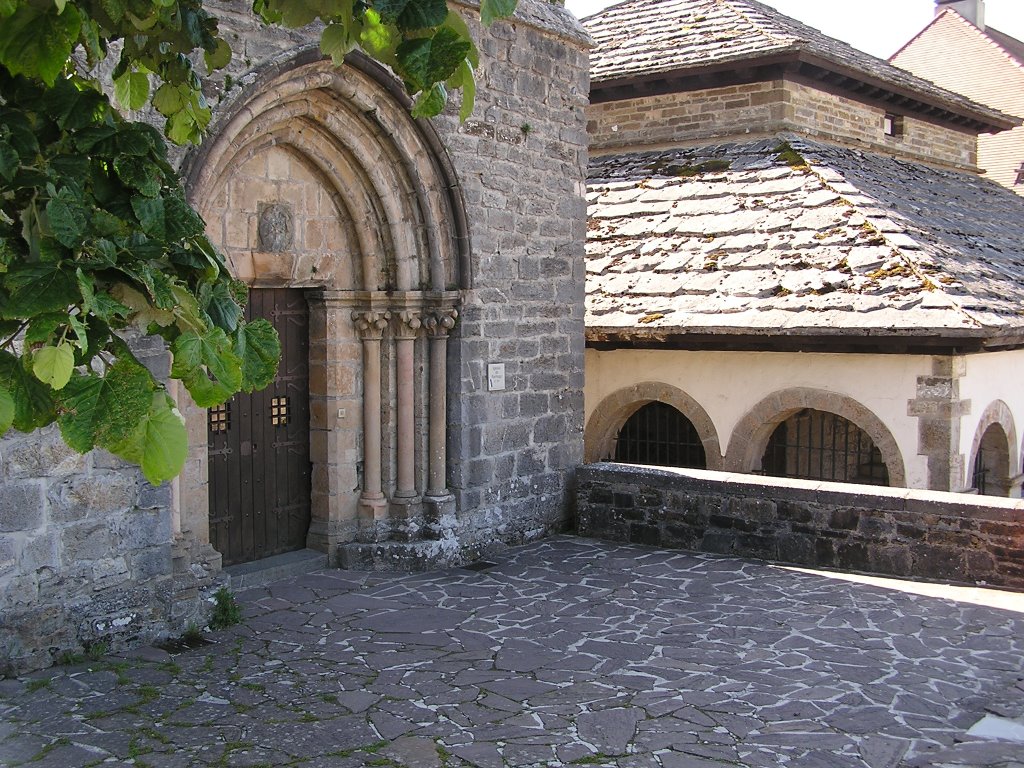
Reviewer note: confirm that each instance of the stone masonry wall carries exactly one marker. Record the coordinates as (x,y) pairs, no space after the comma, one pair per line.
(768,108)
(521,160)
(86,552)
(887,531)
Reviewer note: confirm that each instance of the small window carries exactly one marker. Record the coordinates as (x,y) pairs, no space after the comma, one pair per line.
(1020,175)
(219,418)
(279,411)
(892,125)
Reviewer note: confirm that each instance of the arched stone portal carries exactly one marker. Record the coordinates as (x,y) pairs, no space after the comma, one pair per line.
(751,435)
(316,177)
(994,453)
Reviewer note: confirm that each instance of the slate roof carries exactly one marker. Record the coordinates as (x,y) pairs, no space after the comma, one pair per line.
(640,38)
(730,239)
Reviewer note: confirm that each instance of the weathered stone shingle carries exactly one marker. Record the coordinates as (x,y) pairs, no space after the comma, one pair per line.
(843,240)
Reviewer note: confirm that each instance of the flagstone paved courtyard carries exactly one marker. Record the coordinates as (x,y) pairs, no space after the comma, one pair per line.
(565,652)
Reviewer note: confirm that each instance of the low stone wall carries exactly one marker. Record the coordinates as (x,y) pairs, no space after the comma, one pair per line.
(887,531)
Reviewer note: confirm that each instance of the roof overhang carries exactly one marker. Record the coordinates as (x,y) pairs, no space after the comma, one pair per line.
(829,340)
(799,64)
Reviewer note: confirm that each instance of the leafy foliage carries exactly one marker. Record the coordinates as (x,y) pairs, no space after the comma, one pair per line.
(97,240)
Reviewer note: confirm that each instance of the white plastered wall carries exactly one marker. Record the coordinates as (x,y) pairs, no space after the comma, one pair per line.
(990,378)
(729,384)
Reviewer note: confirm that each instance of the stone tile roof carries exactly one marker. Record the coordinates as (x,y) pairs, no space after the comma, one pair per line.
(734,239)
(1013,47)
(639,38)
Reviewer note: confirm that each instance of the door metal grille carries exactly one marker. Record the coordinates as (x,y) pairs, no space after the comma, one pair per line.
(980,473)
(659,435)
(816,445)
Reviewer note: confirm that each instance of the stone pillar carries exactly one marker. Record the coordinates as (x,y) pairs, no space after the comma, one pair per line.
(939,410)
(438,324)
(406,329)
(371,324)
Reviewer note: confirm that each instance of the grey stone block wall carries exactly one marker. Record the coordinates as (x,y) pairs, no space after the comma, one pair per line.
(887,531)
(521,161)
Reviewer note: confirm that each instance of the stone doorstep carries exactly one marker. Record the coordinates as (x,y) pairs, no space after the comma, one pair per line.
(259,573)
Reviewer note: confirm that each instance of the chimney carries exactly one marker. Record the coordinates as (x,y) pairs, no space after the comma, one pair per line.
(972,10)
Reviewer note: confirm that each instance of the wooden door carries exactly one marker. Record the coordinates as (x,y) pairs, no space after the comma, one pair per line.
(259,446)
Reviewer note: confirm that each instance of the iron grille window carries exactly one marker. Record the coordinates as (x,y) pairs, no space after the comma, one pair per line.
(815,445)
(658,434)
(980,473)
(279,411)
(219,418)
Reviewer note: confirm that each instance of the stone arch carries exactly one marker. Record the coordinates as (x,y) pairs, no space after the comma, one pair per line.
(352,125)
(997,435)
(612,412)
(750,436)
(380,245)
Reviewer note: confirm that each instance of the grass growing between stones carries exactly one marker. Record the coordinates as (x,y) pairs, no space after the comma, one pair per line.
(226,610)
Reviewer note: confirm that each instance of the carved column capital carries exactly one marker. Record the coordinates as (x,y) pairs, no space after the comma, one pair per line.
(439,322)
(407,324)
(371,323)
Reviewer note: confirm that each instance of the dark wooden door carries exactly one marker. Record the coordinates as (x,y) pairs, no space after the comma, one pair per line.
(259,446)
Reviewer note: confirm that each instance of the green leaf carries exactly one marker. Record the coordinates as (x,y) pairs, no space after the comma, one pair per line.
(36,42)
(213,351)
(9,161)
(430,102)
(139,173)
(492,10)
(420,14)
(390,10)
(105,410)
(219,57)
(7,7)
(6,410)
(33,403)
(337,40)
(259,348)
(115,9)
(67,217)
(41,328)
(141,312)
(131,89)
(459,26)
(464,79)
(150,213)
(159,444)
(53,365)
(168,99)
(222,308)
(428,60)
(38,288)
(378,39)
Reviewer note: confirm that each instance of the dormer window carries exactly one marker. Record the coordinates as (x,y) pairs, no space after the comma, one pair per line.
(892,125)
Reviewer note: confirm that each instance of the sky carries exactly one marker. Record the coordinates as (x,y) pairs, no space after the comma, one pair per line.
(879,27)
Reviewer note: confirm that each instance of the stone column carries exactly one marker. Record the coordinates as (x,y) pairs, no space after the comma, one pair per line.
(371,324)
(407,326)
(939,410)
(438,324)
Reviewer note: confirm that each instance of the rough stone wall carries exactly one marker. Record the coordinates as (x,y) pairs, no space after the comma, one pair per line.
(86,552)
(521,160)
(767,108)
(917,534)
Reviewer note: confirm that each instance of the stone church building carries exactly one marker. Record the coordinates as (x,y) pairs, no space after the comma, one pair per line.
(793,266)
(426,278)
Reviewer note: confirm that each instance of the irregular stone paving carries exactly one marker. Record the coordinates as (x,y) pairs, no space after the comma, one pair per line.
(566,652)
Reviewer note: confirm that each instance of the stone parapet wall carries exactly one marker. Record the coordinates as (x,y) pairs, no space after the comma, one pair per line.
(886,531)
(766,108)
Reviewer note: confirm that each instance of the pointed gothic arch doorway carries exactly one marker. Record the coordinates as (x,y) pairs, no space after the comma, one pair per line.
(316,179)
